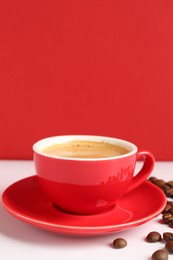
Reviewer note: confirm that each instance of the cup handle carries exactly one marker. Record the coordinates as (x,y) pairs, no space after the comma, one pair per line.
(147,168)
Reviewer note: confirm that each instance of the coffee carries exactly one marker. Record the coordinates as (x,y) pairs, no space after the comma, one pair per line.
(85,149)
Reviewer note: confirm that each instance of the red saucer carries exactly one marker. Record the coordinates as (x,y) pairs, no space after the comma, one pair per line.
(26,201)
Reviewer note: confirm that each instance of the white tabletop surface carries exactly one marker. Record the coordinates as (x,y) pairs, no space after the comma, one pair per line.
(23,241)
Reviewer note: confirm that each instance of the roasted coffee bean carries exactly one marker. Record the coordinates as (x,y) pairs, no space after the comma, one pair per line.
(170,224)
(160,255)
(153,237)
(170,203)
(171,210)
(167,218)
(167,208)
(160,183)
(152,179)
(119,243)
(169,192)
(169,183)
(169,246)
(168,236)
(166,188)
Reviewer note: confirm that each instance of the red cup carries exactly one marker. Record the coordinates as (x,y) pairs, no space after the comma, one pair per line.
(89,185)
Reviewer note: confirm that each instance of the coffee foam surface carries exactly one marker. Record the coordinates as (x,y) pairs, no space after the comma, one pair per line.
(85,149)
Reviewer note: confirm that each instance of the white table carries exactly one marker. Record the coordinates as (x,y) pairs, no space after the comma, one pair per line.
(20,240)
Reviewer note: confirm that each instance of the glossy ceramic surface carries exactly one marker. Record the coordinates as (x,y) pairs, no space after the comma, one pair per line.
(26,201)
(96,183)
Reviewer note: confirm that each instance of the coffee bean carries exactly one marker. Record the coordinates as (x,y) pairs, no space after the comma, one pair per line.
(166,188)
(168,236)
(169,183)
(160,255)
(171,210)
(152,179)
(169,246)
(170,224)
(160,183)
(169,192)
(167,208)
(167,218)
(119,243)
(170,203)
(153,237)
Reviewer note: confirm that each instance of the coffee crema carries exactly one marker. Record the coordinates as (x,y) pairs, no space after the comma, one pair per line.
(85,149)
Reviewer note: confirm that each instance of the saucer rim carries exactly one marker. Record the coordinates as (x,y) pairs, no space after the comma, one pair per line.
(129,224)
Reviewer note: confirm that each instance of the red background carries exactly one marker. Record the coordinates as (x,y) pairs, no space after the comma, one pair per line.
(86,67)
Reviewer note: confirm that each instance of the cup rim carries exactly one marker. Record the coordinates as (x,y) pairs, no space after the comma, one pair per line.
(45,142)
